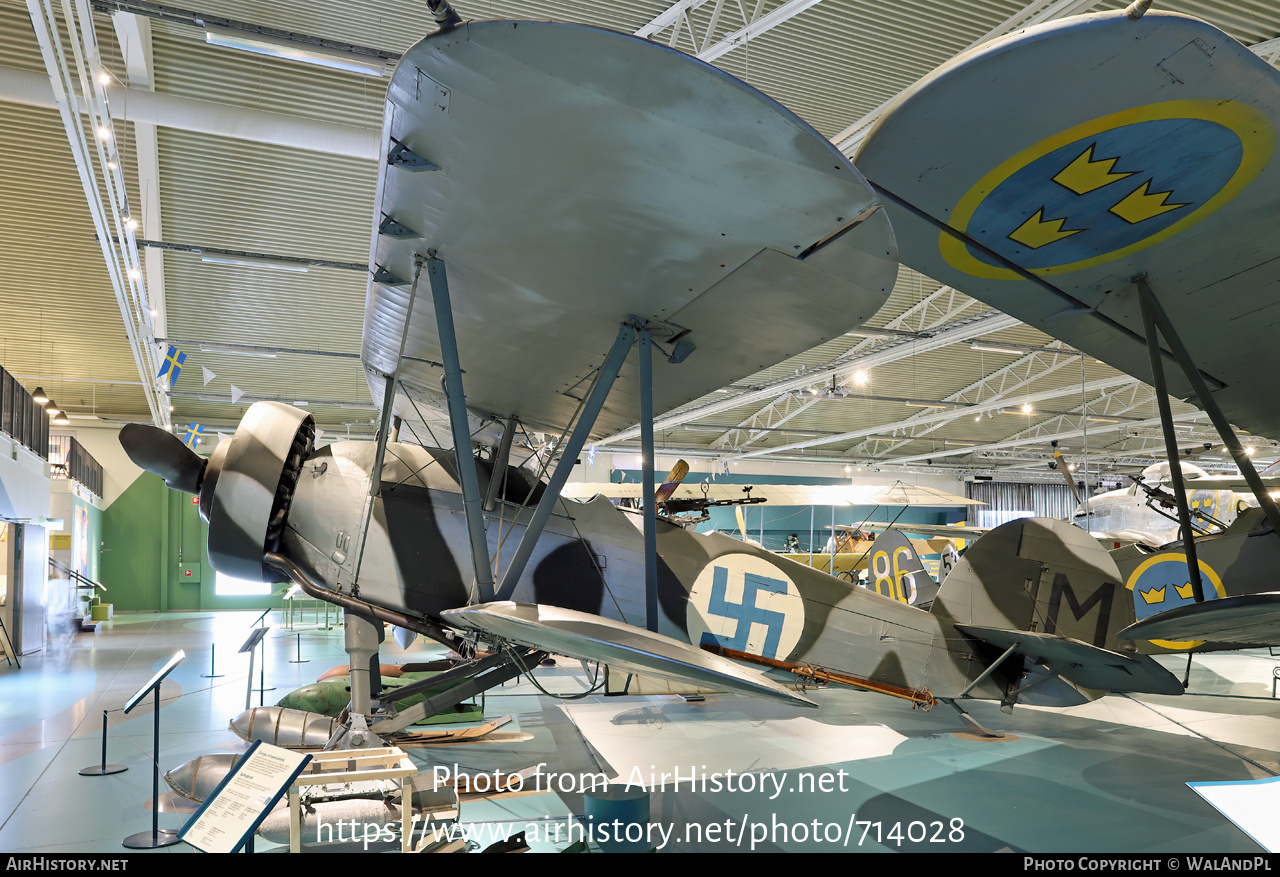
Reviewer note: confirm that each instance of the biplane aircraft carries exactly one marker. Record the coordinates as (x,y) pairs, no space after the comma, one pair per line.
(893,561)
(1111,180)
(552,194)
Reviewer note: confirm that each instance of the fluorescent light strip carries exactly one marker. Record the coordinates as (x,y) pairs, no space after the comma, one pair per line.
(245,262)
(237,351)
(293,50)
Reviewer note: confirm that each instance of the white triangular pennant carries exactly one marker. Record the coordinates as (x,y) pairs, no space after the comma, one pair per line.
(319,432)
(236,393)
(221,436)
(208,375)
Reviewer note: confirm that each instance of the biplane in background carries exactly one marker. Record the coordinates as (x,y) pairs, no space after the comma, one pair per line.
(894,567)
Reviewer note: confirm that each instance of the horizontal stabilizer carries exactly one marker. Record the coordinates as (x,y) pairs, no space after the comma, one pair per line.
(1080,663)
(1250,619)
(621,646)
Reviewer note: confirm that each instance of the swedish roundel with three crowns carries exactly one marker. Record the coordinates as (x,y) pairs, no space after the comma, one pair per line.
(1109,187)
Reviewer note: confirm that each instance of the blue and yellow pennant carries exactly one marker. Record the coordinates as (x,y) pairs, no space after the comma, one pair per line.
(192,436)
(173,361)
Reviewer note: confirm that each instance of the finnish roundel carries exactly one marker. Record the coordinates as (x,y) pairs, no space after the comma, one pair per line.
(745,603)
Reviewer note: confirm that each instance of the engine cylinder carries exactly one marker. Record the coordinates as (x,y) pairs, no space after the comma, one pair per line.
(250,484)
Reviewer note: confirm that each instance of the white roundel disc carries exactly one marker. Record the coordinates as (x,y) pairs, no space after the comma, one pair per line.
(745,603)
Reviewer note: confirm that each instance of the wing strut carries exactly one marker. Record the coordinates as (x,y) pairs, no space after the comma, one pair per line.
(1210,405)
(500,462)
(569,456)
(644,340)
(471,503)
(1149,306)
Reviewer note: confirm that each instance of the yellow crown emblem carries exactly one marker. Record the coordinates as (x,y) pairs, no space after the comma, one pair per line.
(1154,595)
(1184,591)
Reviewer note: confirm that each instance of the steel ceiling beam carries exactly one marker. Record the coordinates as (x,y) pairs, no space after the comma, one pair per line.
(678,21)
(77,83)
(995,386)
(935,311)
(203,117)
(948,416)
(884,352)
(1037,12)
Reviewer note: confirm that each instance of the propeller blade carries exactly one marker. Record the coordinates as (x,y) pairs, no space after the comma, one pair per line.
(1066,473)
(163,454)
(674,477)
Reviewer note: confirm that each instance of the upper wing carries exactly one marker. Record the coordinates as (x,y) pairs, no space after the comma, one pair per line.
(1089,151)
(585,176)
(785,494)
(945,531)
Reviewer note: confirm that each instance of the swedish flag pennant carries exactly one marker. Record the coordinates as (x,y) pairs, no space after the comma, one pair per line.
(173,361)
(193,434)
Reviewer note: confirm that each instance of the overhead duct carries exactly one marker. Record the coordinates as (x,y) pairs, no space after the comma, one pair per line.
(205,117)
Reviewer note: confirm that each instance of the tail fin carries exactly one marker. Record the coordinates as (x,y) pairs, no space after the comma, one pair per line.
(1049,599)
(894,570)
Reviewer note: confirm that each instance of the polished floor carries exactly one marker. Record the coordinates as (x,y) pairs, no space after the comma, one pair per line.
(863,772)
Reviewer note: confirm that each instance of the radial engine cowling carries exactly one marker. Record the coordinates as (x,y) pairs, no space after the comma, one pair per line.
(249,484)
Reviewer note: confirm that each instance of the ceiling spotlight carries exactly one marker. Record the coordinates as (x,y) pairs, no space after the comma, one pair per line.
(104,133)
(1026,409)
(40,396)
(860,378)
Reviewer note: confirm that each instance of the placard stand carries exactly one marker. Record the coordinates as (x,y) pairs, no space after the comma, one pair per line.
(156,837)
(230,815)
(255,638)
(213,673)
(103,769)
(300,659)
(262,660)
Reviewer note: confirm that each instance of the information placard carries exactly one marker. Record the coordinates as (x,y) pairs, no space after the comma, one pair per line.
(242,800)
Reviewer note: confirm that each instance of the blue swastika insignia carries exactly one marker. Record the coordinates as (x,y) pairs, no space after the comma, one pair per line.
(747,612)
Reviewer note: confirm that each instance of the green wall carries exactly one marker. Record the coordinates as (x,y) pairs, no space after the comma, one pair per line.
(93,542)
(150,534)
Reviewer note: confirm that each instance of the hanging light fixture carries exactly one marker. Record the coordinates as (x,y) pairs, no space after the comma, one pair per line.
(52,409)
(61,419)
(40,396)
